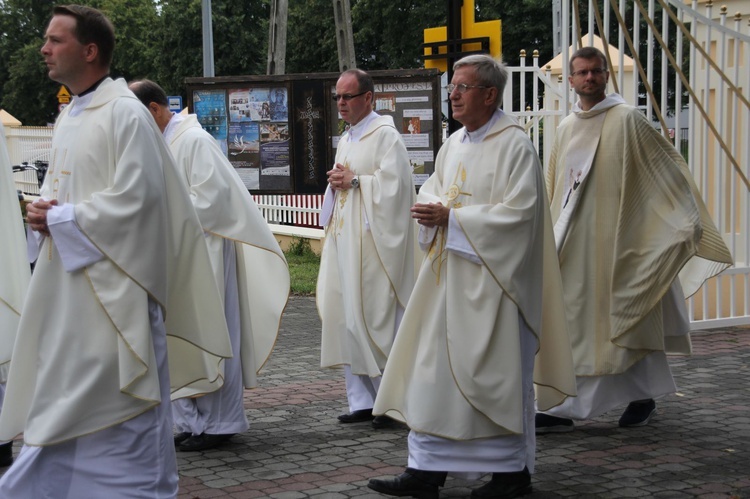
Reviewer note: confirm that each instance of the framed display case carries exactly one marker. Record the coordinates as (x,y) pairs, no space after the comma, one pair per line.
(281,131)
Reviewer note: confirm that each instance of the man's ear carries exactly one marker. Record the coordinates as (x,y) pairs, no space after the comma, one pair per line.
(492,96)
(91,52)
(154,109)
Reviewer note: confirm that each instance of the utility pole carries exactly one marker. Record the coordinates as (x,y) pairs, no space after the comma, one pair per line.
(454,48)
(208,39)
(277,37)
(344,37)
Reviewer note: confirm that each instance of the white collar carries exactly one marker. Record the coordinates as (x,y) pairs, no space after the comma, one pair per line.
(78,104)
(609,101)
(171,128)
(478,135)
(357,131)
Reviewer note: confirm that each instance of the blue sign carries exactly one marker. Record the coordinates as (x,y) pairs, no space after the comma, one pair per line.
(175,103)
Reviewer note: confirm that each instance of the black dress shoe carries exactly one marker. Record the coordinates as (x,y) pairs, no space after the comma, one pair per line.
(414,483)
(203,441)
(505,486)
(181,437)
(386,423)
(357,416)
(638,413)
(6,454)
(544,423)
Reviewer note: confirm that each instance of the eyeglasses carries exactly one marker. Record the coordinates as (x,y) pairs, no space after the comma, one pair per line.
(594,72)
(462,87)
(347,97)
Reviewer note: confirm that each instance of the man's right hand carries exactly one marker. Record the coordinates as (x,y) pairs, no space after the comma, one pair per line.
(36,215)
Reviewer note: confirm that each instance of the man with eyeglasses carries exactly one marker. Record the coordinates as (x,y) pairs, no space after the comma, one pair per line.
(488,298)
(634,238)
(367,263)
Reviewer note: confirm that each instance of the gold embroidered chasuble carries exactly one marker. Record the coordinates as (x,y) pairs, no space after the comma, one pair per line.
(14,266)
(85,361)
(227,212)
(640,223)
(455,367)
(367,263)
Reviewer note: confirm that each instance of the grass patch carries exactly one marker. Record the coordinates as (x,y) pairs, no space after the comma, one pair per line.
(303,267)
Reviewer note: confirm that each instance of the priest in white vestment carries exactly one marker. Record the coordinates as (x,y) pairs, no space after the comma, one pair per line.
(487,301)
(367,263)
(634,239)
(14,275)
(119,273)
(248,265)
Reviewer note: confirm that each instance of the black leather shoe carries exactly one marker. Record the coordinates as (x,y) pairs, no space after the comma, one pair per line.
(414,483)
(505,486)
(181,437)
(357,416)
(203,441)
(6,454)
(638,413)
(544,423)
(386,423)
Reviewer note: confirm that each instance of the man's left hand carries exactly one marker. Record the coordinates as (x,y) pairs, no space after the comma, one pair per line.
(340,178)
(431,215)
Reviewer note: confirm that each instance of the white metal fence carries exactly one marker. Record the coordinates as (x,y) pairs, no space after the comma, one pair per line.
(712,87)
(302,210)
(28,145)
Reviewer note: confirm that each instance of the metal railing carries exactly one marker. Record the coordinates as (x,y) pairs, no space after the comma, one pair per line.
(713,86)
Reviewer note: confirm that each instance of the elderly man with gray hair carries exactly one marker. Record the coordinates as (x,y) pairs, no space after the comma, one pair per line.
(487,301)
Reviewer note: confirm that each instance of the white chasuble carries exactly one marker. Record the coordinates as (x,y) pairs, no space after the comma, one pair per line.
(227,212)
(86,359)
(14,267)
(455,369)
(367,263)
(640,222)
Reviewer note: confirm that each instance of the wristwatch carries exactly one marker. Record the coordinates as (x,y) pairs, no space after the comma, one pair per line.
(355,182)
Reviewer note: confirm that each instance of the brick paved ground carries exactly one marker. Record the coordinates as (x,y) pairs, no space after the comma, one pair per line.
(697,446)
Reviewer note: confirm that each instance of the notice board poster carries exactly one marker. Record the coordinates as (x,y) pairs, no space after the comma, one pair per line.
(411,105)
(210,107)
(251,125)
(259,137)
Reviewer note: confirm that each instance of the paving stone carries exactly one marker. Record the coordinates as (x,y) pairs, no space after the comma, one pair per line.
(698,445)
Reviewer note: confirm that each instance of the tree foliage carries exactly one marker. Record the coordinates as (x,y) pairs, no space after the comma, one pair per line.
(25,90)
(311,38)
(389,35)
(162,40)
(240,31)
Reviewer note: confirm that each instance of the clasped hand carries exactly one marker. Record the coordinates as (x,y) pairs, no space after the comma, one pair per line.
(431,215)
(340,178)
(36,215)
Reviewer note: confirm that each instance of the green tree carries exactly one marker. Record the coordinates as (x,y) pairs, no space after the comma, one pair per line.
(162,40)
(240,32)
(311,40)
(526,25)
(28,93)
(389,35)
(25,90)
(180,52)
(136,28)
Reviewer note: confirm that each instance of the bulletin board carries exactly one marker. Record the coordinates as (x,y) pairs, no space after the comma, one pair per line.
(280,132)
